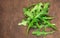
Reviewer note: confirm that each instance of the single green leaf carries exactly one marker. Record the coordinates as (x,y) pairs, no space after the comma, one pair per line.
(28,13)
(23,23)
(47,18)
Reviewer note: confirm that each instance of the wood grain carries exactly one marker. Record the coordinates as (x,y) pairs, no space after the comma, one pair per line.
(11,14)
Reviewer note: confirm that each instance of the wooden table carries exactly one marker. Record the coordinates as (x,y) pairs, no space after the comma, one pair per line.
(11,14)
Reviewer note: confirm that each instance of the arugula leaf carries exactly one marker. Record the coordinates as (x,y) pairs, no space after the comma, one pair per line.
(28,13)
(38,33)
(23,23)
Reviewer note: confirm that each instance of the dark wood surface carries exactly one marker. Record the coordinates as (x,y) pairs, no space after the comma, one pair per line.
(11,14)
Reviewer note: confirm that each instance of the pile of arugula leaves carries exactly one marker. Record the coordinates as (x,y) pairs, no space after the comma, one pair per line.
(36,17)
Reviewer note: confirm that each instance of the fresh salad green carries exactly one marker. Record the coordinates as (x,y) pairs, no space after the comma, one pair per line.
(36,17)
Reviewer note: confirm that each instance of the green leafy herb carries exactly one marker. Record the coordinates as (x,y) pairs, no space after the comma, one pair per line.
(37,17)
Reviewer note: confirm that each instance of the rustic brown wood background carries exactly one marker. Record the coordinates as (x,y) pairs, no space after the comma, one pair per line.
(11,14)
